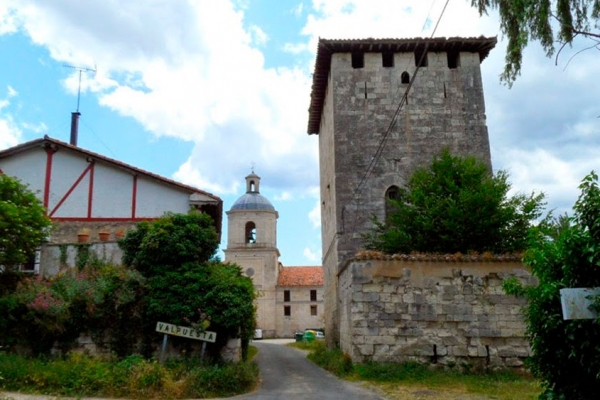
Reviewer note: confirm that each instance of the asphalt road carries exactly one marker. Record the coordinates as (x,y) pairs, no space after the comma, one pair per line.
(287,374)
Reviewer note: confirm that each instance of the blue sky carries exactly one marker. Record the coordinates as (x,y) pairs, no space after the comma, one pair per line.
(199,90)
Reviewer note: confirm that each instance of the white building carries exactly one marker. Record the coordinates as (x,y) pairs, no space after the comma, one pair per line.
(83,190)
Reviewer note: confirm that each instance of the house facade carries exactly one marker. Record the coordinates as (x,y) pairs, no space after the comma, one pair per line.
(289,298)
(87,192)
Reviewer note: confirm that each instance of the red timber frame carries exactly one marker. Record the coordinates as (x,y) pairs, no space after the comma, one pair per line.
(89,170)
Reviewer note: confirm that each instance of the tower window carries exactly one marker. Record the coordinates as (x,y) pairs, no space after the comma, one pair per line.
(250,232)
(358,60)
(453,59)
(313,310)
(313,295)
(421,57)
(252,186)
(387,59)
(393,193)
(287,311)
(405,77)
(286,295)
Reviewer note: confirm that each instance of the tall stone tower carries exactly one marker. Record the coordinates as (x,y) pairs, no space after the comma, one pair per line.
(366,153)
(252,244)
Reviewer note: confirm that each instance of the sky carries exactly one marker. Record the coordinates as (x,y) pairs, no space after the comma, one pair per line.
(202,91)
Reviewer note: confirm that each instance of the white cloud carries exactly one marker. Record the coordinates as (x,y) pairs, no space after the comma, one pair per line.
(284,196)
(312,256)
(10,134)
(314,215)
(40,127)
(297,11)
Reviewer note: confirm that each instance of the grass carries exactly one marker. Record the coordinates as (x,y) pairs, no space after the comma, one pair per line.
(418,381)
(133,377)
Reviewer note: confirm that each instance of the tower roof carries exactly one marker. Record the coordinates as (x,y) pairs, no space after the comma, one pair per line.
(252,200)
(327,47)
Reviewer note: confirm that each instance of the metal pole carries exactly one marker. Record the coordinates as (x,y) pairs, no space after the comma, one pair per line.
(164,348)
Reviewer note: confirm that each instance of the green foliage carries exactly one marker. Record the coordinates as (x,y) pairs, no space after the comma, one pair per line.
(456,205)
(566,353)
(174,240)
(101,300)
(23,223)
(332,360)
(522,21)
(131,377)
(174,253)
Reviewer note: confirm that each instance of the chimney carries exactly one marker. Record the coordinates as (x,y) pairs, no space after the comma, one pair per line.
(74,127)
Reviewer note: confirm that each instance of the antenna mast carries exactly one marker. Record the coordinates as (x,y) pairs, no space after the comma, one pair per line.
(75,115)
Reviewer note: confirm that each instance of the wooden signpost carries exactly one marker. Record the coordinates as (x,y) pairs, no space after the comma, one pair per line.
(183,331)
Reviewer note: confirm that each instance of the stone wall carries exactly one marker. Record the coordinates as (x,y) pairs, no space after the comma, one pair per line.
(57,258)
(436,312)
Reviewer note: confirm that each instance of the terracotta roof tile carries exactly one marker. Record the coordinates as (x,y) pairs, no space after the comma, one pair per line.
(300,276)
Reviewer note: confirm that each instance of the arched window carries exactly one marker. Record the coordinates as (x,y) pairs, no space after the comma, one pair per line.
(405,77)
(252,186)
(250,232)
(393,193)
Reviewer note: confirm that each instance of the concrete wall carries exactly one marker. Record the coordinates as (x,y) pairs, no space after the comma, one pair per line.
(441,312)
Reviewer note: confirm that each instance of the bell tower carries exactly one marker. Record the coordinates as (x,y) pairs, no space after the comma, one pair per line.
(252,244)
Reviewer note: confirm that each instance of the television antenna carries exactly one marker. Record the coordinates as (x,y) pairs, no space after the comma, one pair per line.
(80,69)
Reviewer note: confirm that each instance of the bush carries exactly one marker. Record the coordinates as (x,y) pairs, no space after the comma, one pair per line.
(566,353)
(455,205)
(132,377)
(332,360)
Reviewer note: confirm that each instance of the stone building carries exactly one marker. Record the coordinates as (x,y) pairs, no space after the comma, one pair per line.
(85,191)
(382,108)
(289,298)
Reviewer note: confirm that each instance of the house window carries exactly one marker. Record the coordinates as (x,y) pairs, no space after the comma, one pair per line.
(313,295)
(387,59)
(286,295)
(250,232)
(358,60)
(33,264)
(313,310)
(287,311)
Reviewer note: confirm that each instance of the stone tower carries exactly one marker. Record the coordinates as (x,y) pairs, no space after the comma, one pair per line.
(366,154)
(252,244)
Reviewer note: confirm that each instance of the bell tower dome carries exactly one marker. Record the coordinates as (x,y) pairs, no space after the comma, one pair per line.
(252,244)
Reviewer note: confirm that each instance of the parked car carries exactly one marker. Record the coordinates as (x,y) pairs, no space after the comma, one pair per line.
(319,335)
(258,334)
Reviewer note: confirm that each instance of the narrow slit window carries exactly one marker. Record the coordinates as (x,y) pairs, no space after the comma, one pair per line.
(358,60)
(445,94)
(387,59)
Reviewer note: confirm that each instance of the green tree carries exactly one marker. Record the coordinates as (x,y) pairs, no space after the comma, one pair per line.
(525,20)
(185,284)
(23,223)
(566,353)
(456,205)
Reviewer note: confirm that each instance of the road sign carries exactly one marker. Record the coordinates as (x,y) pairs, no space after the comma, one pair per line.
(186,332)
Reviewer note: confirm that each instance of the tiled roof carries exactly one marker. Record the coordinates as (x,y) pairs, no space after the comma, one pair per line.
(300,276)
(327,47)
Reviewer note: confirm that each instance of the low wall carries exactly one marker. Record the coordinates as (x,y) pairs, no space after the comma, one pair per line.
(432,311)
(57,258)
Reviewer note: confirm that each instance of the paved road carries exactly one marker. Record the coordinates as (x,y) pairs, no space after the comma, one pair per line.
(287,374)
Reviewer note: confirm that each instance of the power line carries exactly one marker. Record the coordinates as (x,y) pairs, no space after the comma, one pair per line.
(403,100)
